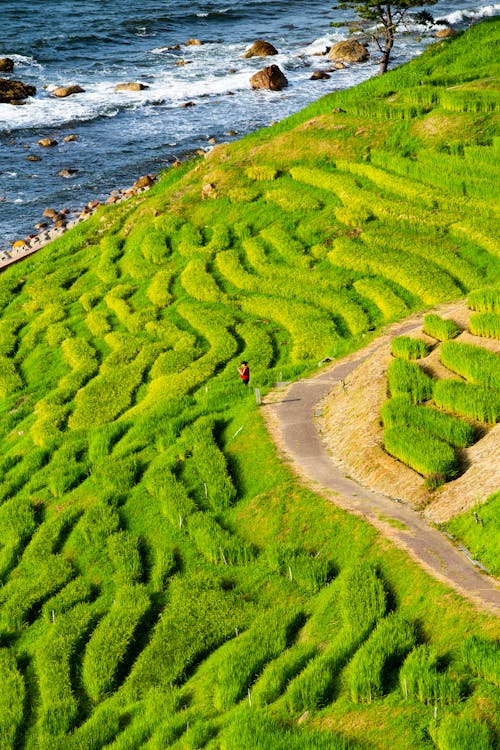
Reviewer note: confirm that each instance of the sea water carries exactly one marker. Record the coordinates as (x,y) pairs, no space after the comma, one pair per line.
(122,135)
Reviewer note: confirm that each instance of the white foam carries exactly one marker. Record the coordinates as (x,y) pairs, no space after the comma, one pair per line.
(459,16)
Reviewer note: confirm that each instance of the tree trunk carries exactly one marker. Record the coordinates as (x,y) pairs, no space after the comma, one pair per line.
(388,40)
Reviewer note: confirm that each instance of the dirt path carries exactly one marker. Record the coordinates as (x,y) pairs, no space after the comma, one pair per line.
(290,418)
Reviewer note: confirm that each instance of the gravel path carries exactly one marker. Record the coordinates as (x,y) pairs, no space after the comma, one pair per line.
(290,419)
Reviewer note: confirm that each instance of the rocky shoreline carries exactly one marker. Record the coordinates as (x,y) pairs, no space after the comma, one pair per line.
(66,219)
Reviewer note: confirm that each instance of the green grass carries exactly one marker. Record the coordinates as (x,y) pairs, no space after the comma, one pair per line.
(161,567)
(479,531)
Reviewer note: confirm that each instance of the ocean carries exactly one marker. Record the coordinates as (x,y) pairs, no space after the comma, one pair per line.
(97,44)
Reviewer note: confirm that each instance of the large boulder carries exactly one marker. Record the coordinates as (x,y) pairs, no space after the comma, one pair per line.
(349,51)
(63,91)
(269,78)
(6,65)
(260,48)
(13,91)
(131,86)
(444,33)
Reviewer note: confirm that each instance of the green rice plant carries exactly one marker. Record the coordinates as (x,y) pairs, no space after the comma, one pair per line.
(199,283)
(98,323)
(8,285)
(421,277)
(382,295)
(309,571)
(261,172)
(90,299)
(290,250)
(17,524)
(362,600)
(469,100)
(154,246)
(133,263)
(420,451)
(8,334)
(21,470)
(255,731)
(108,645)
(220,240)
(110,250)
(407,347)
(485,324)
(210,464)
(161,484)
(478,365)
(116,473)
(293,198)
(165,564)
(485,300)
(313,687)
(58,706)
(159,289)
(56,333)
(10,380)
(190,241)
(312,332)
(12,694)
(75,592)
(217,545)
(400,412)
(480,236)
(109,394)
(51,418)
(242,659)
(278,673)
(81,357)
(24,592)
(200,615)
(259,348)
(94,734)
(124,555)
(408,378)
(478,529)
(474,401)
(440,328)
(89,537)
(361,603)
(391,640)
(420,678)
(462,733)
(482,657)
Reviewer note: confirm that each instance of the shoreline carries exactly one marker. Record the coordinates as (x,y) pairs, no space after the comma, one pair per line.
(23,248)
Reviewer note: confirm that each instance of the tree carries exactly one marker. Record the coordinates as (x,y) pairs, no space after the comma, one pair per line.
(388,16)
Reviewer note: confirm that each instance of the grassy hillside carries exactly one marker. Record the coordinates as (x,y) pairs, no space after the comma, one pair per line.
(166,582)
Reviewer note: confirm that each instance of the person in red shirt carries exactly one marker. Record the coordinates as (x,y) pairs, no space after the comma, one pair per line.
(244,372)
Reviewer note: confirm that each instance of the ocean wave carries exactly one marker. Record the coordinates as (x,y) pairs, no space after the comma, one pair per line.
(26,60)
(460,16)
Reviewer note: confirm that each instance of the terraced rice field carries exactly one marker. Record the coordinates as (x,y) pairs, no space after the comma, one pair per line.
(164,581)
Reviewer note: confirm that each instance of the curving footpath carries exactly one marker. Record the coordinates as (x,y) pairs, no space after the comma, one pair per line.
(290,420)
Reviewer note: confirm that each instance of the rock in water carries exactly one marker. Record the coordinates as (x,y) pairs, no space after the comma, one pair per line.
(319,75)
(6,65)
(13,91)
(63,91)
(269,78)
(260,48)
(444,33)
(132,86)
(349,51)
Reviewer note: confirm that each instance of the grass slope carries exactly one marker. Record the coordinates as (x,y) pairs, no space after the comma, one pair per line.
(166,583)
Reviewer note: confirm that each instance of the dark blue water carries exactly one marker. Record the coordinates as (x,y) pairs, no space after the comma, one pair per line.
(121,135)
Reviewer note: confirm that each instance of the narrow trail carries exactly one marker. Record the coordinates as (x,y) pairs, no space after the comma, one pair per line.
(289,416)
